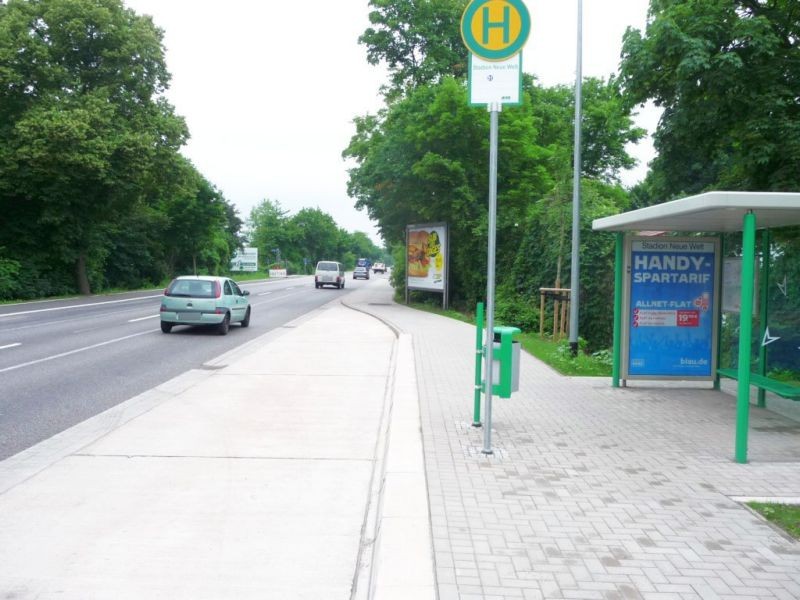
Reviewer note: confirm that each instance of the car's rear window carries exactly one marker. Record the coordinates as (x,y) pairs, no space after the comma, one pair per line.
(191,288)
(327,266)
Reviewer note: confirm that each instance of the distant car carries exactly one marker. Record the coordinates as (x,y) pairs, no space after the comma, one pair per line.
(204,300)
(329,272)
(379,268)
(361,273)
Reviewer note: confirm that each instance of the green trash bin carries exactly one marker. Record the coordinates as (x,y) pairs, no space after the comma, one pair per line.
(505,361)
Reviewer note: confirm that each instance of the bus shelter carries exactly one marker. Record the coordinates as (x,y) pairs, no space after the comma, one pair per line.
(712,213)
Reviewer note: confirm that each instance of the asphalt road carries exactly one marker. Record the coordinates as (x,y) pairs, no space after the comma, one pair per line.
(64,361)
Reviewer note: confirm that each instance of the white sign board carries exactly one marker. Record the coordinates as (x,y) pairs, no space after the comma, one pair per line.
(245,260)
(492,82)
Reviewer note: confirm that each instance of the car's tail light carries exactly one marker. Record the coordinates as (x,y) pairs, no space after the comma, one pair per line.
(219,311)
(163,308)
(217,289)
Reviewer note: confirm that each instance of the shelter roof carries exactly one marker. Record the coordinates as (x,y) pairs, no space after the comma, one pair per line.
(709,212)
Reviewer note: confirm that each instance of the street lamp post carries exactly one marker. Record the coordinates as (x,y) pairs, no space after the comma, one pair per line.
(576,196)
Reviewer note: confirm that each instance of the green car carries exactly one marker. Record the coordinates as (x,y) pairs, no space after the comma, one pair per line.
(204,300)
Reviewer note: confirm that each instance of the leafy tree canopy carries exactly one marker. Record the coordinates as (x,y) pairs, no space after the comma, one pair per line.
(86,136)
(424,158)
(303,239)
(418,40)
(727,74)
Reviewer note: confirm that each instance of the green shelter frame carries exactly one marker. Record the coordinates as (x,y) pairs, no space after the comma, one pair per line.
(710,212)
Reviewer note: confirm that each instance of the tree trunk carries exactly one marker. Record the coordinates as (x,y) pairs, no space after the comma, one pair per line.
(81,275)
(560,241)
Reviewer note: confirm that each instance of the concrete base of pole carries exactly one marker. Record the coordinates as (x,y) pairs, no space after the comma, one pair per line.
(487,452)
(478,424)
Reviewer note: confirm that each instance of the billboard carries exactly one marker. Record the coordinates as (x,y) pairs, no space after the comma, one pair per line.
(245,259)
(671,307)
(426,257)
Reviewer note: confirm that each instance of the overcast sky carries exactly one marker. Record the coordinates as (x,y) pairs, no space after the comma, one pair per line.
(269,88)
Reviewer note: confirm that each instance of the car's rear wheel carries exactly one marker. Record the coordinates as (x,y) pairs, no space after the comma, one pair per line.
(246,320)
(225,326)
(166,327)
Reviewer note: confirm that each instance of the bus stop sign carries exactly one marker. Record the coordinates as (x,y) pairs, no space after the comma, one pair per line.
(495,29)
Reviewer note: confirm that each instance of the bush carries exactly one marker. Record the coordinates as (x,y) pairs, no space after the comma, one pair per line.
(9,276)
(515,310)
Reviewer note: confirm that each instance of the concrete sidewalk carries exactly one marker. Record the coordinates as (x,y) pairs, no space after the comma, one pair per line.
(269,473)
(288,470)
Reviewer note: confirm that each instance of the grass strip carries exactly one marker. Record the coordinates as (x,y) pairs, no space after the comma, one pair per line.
(555,353)
(785,516)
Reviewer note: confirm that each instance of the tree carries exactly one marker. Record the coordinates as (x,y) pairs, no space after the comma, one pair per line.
(268,225)
(424,159)
(318,236)
(727,74)
(361,246)
(199,233)
(85,133)
(309,235)
(545,247)
(419,40)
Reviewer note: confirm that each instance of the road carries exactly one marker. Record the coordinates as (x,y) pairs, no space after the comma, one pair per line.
(64,361)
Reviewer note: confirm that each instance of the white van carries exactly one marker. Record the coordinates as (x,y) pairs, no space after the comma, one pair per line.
(329,272)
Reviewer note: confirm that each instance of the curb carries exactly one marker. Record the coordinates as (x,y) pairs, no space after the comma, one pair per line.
(403,560)
(401,564)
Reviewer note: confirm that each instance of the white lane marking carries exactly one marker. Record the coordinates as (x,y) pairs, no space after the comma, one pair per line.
(290,288)
(63,354)
(143,318)
(265,293)
(10,345)
(281,299)
(38,310)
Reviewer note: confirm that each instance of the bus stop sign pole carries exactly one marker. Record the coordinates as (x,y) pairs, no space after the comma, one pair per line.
(494,33)
(494,110)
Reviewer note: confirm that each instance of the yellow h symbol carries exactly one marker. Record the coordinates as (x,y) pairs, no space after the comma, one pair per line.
(505,24)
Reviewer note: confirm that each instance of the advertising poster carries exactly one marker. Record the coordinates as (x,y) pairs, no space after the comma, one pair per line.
(426,257)
(671,308)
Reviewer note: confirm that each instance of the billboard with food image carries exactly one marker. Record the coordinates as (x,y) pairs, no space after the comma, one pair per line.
(426,257)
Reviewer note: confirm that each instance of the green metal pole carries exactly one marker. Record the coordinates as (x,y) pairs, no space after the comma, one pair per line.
(763,312)
(745,336)
(721,267)
(618,280)
(476,414)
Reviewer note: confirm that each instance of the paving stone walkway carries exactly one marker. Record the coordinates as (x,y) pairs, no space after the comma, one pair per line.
(594,492)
